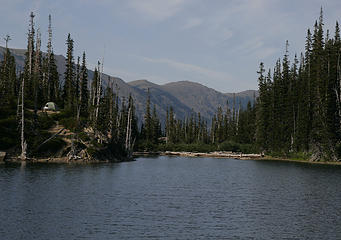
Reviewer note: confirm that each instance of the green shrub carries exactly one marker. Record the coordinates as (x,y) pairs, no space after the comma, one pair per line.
(7,142)
(50,148)
(83,136)
(182,147)
(146,146)
(45,121)
(238,147)
(63,114)
(69,123)
(229,146)
(291,155)
(8,132)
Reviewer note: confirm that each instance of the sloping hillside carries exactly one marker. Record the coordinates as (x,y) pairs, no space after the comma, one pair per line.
(184,96)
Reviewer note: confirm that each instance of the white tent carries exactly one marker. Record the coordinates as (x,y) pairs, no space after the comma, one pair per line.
(50,106)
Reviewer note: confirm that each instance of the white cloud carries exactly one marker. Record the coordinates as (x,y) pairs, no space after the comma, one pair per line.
(250,45)
(218,36)
(265,52)
(128,76)
(36,6)
(191,68)
(229,17)
(192,22)
(157,9)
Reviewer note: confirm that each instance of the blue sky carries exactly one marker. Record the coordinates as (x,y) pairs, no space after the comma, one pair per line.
(218,43)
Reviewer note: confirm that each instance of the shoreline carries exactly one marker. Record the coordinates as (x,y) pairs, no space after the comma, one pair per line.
(239,156)
(217,154)
(61,160)
(53,160)
(269,158)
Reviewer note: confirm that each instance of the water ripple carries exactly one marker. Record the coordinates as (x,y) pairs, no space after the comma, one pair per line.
(171,198)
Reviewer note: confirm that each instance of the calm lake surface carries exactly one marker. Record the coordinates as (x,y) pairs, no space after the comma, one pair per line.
(171,198)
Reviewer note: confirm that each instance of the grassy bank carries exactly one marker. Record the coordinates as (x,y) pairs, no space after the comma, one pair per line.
(292,157)
(299,160)
(196,147)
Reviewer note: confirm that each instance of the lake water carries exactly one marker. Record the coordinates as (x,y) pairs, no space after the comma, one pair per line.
(171,198)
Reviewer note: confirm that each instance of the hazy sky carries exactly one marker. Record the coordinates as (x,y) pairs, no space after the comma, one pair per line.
(218,43)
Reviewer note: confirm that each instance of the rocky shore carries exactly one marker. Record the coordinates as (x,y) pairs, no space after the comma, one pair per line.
(64,160)
(241,156)
(197,154)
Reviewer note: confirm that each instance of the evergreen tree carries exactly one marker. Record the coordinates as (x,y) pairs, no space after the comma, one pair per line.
(29,64)
(54,85)
(84,92)
(8,80)
(148,127)
(262,121)
(37,76)
(156,126)
(69,76)
(304,99)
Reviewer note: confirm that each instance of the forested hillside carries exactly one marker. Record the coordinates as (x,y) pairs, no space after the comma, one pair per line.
(96,121)
(297,112)
(299,109)
(184,96)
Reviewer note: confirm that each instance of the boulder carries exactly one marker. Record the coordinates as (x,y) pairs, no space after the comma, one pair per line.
(2,156)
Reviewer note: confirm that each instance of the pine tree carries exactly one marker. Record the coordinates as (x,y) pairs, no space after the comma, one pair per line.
(262,122)
(77,80)
(84,92)
(156,126)
(29,64)
(293,105)
(69,76)
(171,126)
(54,85)
(51,81)
(303,100)
(148,120)
(37,76)
(8,80)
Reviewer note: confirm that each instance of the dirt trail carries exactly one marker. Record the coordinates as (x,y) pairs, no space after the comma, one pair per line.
(62,132)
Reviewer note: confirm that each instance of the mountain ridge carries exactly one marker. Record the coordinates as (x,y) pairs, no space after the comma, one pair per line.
(185,97)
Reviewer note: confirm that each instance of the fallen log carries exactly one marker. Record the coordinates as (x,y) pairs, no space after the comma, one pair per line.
(50,138)
(2,156)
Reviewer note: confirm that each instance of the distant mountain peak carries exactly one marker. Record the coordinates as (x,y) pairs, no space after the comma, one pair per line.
(184,96)
(143,82)
(184,82)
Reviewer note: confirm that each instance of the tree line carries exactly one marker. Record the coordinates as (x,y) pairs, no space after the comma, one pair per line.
(299,109)
(109,119)
(87,104)
(229,129)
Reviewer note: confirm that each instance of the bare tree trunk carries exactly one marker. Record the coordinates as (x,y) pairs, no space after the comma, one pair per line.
(23,142)
(30,53)
(110,83)
(49,52)
(128,134)
(118,123)
(36,72)
(237,118)
(294,130)
(99,90)
(130,121)
(338,91)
